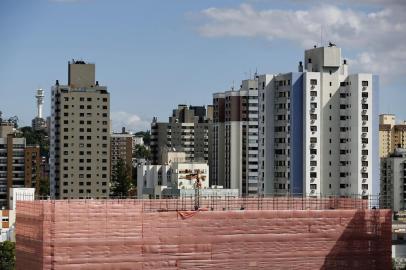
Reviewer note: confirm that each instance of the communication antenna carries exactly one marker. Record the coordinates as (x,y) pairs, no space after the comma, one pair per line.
(321,36)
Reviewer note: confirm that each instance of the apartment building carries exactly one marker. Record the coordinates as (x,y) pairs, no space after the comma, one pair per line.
(319,128)
(122,148)
(391,135)
(19,164)
(393,180)
(80,135)
(235,138)
(187,131)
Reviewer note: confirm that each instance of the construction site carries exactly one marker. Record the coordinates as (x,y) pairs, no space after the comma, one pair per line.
(205,233)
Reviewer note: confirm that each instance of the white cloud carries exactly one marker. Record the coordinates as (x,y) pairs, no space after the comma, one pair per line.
(378,38)
(130,121)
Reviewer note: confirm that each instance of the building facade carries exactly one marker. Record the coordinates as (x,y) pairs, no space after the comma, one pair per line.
(176,173)
(80,135)
(19,166)
(319,128)
(187,131)
(122,148)
(393,179)
(235,139)
(391,135)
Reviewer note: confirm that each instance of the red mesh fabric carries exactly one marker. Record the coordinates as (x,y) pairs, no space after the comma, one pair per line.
(127,234)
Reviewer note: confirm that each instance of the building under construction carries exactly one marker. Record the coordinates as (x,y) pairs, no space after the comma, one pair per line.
(226,233)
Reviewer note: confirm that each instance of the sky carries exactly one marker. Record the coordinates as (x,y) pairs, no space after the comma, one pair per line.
(153,55)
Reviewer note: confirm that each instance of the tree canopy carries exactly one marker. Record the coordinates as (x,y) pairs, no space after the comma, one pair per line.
(121,182)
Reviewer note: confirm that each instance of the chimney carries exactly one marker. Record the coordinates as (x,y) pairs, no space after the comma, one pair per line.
(123,130)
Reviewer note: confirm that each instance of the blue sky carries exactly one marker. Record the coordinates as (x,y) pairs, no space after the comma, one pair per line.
(153,54)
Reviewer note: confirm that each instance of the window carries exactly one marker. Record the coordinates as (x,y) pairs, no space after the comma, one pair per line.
(364,83)
(364,94)
(365,163)
(313,93)
(364,175)
(313,128)
(313,174)
(82,99)
(313,186)
(364,140)
(313,163)
(313,140)
(89,99)
(364,152)
(364,129)
(313,105)
(313,82)
(364,186)
(313,151)
(365,118)
(364,106)
(82,106)
(331,83)
(313,116)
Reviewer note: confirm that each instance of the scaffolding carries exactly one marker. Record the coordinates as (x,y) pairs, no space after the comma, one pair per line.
(223,233)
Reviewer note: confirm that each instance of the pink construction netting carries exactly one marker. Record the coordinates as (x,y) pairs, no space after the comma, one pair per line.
(161,234)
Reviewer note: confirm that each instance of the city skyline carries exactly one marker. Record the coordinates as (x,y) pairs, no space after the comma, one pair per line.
(193,49)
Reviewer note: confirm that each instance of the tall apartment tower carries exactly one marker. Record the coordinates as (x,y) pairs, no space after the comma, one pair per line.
(319,128)
(391,135)
(80,135)
(19,163)
(393,179)
(122,148)
(187,131)
(235,139)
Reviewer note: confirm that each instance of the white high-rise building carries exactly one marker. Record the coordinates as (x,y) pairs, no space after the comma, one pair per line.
(235,139)
(80,135)
(319,128)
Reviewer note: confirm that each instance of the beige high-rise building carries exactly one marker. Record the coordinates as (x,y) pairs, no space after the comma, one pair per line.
(80,135)
(391,135)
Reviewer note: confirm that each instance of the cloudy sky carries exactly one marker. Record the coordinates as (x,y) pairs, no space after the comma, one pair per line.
(154,54)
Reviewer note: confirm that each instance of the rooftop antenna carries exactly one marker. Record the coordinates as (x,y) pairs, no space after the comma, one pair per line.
(232,87)
(321,36)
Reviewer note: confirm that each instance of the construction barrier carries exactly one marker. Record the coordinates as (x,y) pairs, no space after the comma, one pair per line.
(163,234)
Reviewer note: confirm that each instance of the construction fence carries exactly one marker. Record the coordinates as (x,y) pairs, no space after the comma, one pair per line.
(228,233)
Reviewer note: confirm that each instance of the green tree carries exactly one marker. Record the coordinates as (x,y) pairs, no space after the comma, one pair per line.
(146,136)
(121,183)
(142,152)
(7,255)
(44,186)
(34,137)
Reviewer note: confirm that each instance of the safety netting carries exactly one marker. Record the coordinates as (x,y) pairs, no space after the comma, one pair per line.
(164,234)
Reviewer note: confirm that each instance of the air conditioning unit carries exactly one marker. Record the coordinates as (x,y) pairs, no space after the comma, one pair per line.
(312,110)
(364,157)
(364,88)
(364,123)
(364,145)
(313,191)
(312,87)
(364,111)
(312,121)
(364,135)
(364,169)
(364,100)
(312,180)
(364,180)
(312,169)
(313,156)
(312,98)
